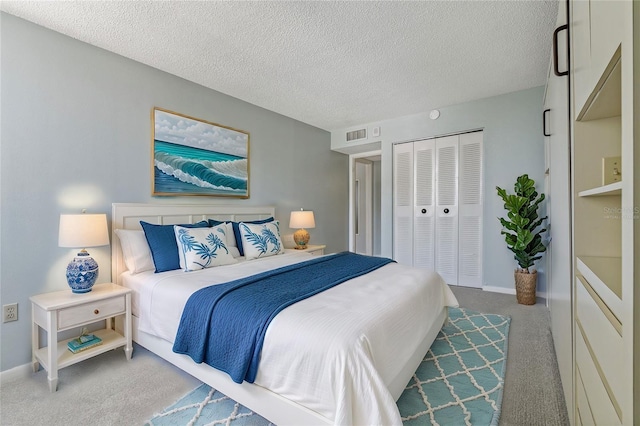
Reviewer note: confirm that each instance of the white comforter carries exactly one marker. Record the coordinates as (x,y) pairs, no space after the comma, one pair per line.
(336,353)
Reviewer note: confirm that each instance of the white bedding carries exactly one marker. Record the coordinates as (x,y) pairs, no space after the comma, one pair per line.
(339,353)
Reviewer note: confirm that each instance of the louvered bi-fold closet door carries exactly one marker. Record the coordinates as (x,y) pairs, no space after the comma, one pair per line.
(470,210)
(438,196)
(403,203)
(446,242)
(424,208)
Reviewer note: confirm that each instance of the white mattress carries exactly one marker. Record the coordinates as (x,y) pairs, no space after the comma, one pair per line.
(339,353)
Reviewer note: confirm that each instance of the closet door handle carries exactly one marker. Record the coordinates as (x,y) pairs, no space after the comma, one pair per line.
(446,211)
(556,71)
(424,211)
(544,122)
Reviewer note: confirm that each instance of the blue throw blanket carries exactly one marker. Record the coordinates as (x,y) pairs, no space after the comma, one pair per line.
(224,325)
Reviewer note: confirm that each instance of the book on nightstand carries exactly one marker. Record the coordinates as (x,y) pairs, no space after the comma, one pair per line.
(83,343)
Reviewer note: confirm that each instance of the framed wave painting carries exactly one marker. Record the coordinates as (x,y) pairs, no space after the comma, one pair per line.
(196,157)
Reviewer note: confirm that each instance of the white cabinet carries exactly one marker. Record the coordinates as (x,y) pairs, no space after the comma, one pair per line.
(597,34)
(606,32)
(438,206)
(605,216)
(581,52)
(558,191)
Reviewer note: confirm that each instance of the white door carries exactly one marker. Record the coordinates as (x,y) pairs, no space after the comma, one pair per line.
(559,253)
(446,259)
(403,203)
(424,160)
(470,210)
(363,193)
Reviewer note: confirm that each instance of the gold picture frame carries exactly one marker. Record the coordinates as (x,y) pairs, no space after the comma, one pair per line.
(191,156)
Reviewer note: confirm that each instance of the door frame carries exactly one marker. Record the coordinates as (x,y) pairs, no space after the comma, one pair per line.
(352,200)
(363,207)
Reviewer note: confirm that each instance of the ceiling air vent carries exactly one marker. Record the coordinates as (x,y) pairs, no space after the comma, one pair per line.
(355,135)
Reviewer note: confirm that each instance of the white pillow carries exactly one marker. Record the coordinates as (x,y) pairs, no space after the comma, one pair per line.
(200,248)
(261,239)
(135,250)
(232,245)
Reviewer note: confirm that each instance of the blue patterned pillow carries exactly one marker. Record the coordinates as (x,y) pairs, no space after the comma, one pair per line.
(236,231)
(201,248)
(162,243)
(261,240)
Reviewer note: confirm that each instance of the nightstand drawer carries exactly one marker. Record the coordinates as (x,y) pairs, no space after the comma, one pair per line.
(315,250)
(88,312)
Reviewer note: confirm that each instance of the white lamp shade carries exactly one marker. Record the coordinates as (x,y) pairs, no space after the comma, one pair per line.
(302,219)
(83,230)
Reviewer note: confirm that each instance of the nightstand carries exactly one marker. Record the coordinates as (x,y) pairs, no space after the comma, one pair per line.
(315,250)
(64,310)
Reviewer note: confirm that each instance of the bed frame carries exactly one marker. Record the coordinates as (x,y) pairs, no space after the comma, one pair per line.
(266,403)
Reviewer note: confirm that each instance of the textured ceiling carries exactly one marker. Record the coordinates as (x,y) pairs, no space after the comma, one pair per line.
(330,64)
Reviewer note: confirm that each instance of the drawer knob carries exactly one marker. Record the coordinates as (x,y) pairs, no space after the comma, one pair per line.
(97,311)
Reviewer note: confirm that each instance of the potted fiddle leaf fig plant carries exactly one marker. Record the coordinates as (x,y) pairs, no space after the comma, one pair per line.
(523,234)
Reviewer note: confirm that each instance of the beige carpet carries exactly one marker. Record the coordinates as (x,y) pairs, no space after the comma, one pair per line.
(108,390)
(532,389)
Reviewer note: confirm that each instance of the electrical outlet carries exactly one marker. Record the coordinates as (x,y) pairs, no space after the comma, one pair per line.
(611,170)
(10,312)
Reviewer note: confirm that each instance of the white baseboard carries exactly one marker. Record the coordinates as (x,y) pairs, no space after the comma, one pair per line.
(499,289)
(504,290)
(21,371)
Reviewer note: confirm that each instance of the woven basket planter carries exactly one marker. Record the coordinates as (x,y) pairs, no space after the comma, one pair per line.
(526,287)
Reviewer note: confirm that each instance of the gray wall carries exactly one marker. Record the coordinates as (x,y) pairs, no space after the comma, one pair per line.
(76,133)
(513,145)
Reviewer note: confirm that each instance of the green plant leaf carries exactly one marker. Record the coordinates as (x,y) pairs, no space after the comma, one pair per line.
(520,221)
(524,238)
(537,223)
(508,225)
(514,203)
(502,193)
(511,239)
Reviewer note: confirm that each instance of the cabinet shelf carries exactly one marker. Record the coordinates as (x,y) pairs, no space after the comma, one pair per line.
(611,189)
(604,274)
(606,99)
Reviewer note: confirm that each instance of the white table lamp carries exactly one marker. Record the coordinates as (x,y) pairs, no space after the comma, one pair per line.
(301,219)
(82,231)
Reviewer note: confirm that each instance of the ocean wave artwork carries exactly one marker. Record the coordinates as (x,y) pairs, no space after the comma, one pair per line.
(193,157)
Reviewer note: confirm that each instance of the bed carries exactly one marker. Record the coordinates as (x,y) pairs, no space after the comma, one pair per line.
(342,356)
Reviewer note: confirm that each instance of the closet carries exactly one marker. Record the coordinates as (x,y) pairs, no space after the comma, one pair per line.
(603,220)
(599,371)
(437,206)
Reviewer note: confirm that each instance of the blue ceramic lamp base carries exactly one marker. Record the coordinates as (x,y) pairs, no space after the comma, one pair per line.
(82,272)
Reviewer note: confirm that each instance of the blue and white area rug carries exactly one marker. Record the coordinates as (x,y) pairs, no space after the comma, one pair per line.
(459,382)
